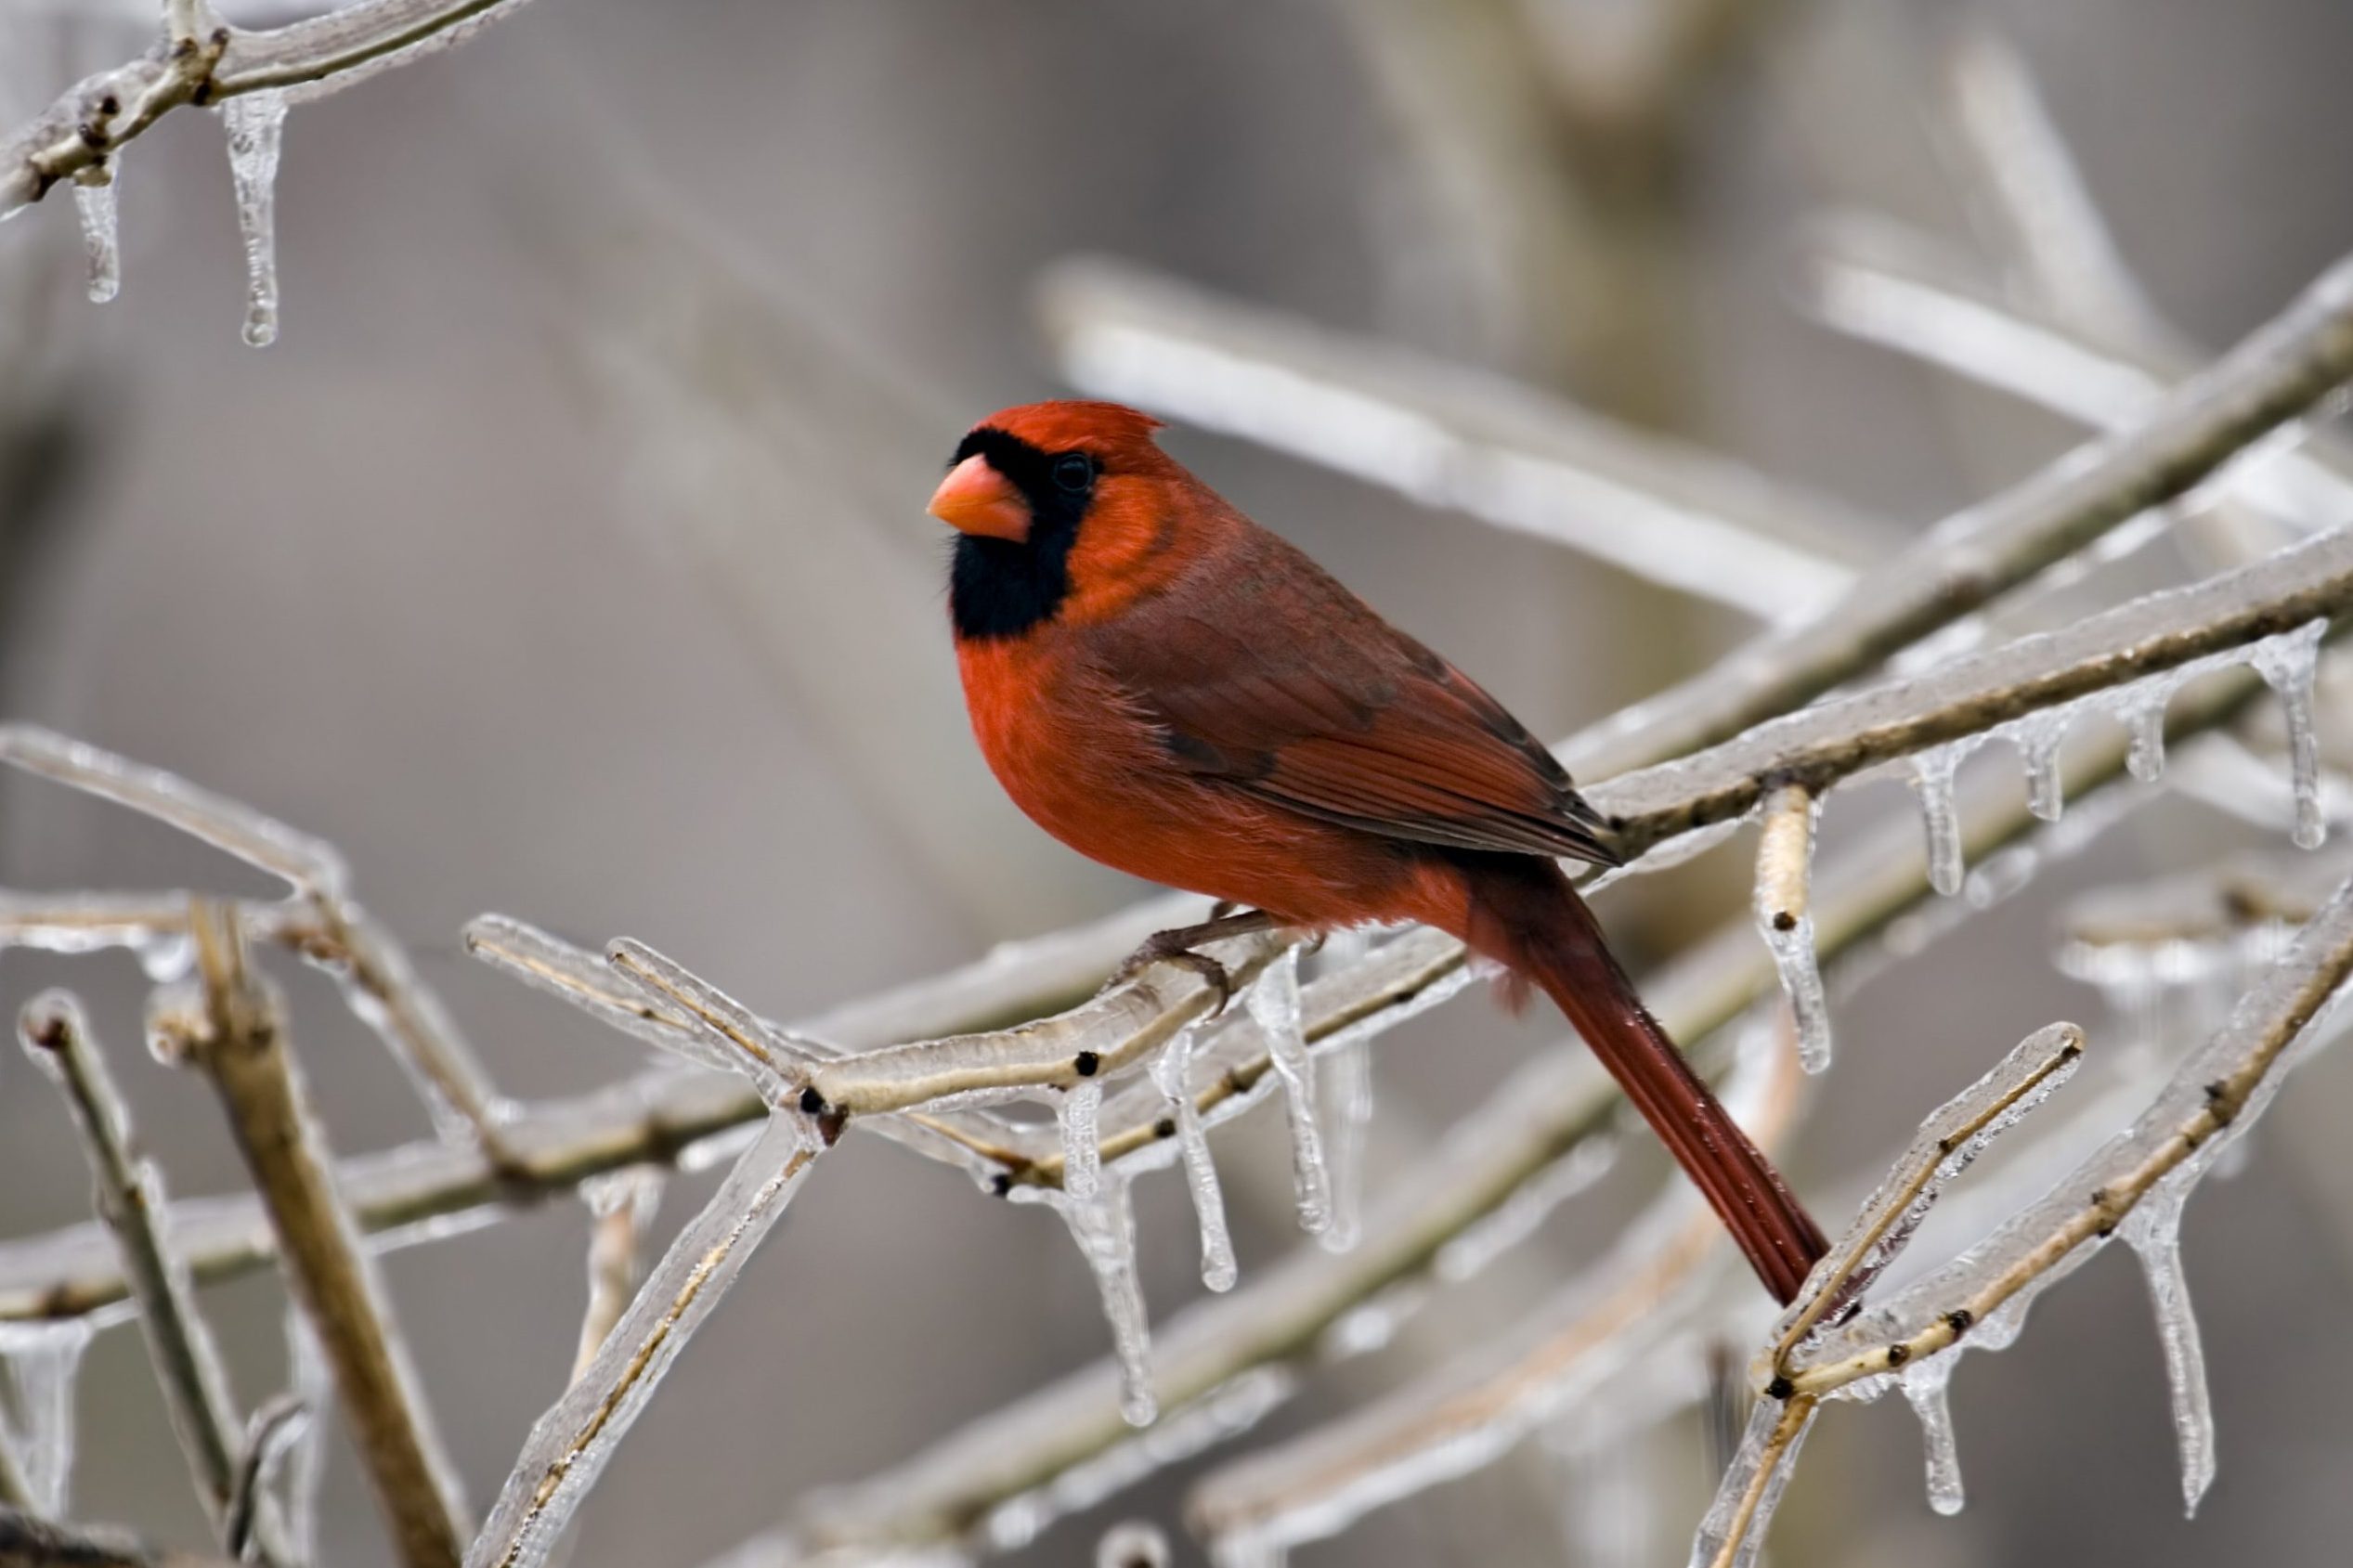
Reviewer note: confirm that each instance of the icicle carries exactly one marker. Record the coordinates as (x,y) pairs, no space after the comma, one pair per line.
(1274,1006)
(2287,664)
(256,122)
(2038,737)
(1924,1384)
(1104,1227)
(313,1382)
(1351,1082)
(2153,1232)
(1171,1072)
(1933,775)
(2144,718)
(1785,917)
(40,1362)
(93,199)
(1132,1543)
(1082,1145)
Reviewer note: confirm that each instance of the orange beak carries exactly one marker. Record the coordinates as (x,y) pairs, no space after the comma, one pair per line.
(978,499)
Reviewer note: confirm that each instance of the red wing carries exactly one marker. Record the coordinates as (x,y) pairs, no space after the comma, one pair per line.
(1288,687)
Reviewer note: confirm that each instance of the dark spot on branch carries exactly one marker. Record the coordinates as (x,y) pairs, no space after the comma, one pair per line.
(1959,1320)
(2070,1051)
(1165,1128)
(1943,1146)
(1780,1388)
(1086,1063)
(109,106)
(811,1102)
(830,1125)
(1897,1354)
(1784,921)
(1001,1184)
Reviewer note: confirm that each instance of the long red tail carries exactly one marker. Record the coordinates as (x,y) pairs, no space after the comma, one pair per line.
(1524,914)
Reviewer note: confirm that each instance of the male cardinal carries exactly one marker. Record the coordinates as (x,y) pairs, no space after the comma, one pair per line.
(1170,689)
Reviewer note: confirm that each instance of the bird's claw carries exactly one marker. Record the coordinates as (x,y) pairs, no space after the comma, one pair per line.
(1168,947)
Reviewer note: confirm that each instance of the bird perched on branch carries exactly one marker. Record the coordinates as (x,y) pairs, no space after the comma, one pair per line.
(1173,691)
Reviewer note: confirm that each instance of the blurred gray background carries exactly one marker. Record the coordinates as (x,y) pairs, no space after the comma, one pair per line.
(417,579)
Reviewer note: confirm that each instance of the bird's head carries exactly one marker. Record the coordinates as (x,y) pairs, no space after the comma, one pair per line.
(1064,511)
(1032,472)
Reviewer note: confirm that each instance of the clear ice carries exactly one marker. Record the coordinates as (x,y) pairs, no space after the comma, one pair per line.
(1104,1227)
(2288,664)
(1350,1078)
(1932,772)
(101,242)
(40,1362)
(255,123)
(1925,1384)
(1273,1002)
(2153,1232)
(1080,1113)
(1172,1074)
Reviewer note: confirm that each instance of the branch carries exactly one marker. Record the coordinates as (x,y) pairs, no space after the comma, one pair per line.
(233,1035)
(26,1542)
(131,1199)
(1450,437)
(102,114)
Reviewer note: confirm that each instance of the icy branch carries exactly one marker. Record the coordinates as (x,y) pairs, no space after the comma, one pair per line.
(1970,695)
(621,1205)
(131,1199)
(99,115)
(233,1033)
(1450,437)
(26,1542)
(2275,375)
(2210,1100)
(1460,1416)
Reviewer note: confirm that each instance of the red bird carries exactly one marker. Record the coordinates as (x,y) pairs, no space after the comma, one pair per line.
(1169,689)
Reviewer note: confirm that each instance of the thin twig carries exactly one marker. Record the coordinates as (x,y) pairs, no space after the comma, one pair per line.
(100,114)
(236,1039)
(26,1542)
(275,1429)
(131,1199)
(621,1205)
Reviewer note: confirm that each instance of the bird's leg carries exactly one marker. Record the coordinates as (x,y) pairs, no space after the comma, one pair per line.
(1180,946)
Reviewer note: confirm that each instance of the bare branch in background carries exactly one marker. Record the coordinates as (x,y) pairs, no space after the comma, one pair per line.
(1451,436)
(131,1202)
(233,1034)
(26,1542)
(620,1207)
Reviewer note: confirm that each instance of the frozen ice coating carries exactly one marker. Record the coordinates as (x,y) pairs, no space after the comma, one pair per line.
(1350,1081)
(2144,717)
(1172,1073)
(570,1446)
(39,1362)
(2288,664)
(1785,918)
(93,202)
(255,123)
(313,1382)
(2153,1232)
(1933,773)
(1750,1489)
(1104,1227)
(1925,1384)
(1273,1002)
(1079,1113)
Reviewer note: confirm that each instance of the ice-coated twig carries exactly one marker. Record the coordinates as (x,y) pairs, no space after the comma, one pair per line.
(728,1035)
(28,1542)
(620,1207)
(2277,373)
(571,1444)
(1460,1417)
(1957,702)
(232,1031)
(1732,1534)
(131,1202)
(308,864)
(307,58)
(2210,1100)
(1945,1144)
(377,980)
(1785,917)
(277,1431)
(1450,437)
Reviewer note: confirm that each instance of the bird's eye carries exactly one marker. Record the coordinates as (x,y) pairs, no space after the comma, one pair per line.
(1074,470)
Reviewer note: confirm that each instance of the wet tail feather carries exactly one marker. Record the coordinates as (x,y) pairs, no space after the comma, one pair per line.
(1524,914)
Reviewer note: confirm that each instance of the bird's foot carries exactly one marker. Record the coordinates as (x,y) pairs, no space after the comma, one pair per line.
(1181,947)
